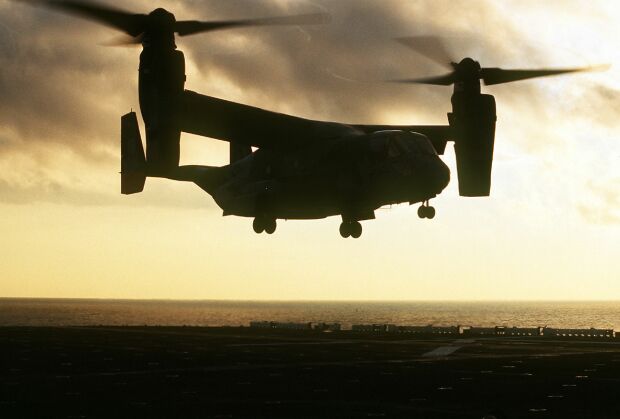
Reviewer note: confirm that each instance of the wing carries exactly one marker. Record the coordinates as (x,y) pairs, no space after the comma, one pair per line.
(437,134)
(241,124)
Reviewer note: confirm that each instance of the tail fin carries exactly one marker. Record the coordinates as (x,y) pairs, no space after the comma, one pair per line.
(133,162)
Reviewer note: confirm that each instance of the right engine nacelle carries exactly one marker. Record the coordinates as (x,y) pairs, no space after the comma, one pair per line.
(472,121)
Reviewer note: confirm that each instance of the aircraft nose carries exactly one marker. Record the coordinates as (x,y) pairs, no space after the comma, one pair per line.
(442,177)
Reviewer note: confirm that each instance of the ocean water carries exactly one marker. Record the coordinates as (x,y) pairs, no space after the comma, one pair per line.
(67,312)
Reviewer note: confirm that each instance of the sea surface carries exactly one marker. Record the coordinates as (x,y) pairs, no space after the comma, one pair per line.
(69,312)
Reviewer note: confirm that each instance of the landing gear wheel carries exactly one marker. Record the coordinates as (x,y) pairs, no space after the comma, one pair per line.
(344,230)
(258,225)
(430,212)
(270,226)
(350,229)
(426,211)
(422,212)
(356,229)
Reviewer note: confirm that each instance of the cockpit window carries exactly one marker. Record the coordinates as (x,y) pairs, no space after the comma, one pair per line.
(425,145)
(397,146)
(399,143)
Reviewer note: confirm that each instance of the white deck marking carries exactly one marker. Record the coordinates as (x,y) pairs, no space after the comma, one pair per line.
(442,351)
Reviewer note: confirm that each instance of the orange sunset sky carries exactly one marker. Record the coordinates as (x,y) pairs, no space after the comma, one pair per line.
(549,231)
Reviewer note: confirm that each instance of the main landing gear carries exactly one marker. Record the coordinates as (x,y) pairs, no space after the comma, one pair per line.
(351,229)
(426,211)
(260,224)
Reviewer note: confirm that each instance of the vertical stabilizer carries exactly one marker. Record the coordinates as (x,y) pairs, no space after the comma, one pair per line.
(133,162)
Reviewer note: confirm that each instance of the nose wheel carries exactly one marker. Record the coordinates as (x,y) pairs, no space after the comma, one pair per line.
(426,211)
(268,225)
(351,229)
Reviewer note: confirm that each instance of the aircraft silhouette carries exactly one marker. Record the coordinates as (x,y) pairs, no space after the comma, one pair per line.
(301,168)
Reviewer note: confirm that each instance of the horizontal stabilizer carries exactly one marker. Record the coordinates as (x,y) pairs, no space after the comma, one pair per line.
(133,161)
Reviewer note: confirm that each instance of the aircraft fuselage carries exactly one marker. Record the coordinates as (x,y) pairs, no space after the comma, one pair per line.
(352,176)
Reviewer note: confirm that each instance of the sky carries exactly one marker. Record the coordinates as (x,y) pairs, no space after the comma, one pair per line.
(549,231)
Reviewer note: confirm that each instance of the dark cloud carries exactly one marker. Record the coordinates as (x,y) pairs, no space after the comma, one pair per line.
(336,71)
(55,192)
(58,86)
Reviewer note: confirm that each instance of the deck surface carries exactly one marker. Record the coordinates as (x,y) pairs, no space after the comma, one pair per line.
(185,372)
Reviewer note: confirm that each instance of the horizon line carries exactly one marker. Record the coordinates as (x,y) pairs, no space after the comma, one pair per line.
(241,300)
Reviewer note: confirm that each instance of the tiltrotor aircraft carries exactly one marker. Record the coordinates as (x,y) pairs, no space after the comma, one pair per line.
(300,168)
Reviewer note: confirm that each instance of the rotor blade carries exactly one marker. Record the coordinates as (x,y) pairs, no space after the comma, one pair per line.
(190,27)
(131,24)
(431,47)
(445,80)
(124,41)
(498,76)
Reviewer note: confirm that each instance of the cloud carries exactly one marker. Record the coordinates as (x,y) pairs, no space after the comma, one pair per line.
(61,91)
(601,105)
(605,207)
(337,71)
